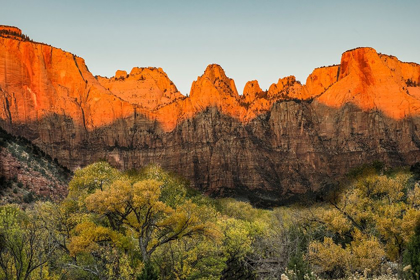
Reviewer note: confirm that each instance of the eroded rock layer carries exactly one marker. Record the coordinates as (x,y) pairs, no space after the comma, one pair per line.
(268,146)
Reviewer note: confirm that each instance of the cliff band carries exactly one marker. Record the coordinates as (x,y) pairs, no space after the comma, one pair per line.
(266,146)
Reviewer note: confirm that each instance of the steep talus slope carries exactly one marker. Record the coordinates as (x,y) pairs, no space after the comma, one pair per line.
(27,173)
(266,146)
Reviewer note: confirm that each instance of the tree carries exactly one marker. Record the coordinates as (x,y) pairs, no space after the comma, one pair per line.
(131,212)
(149,273)
(372,218)
(137,209)
(199,257)
(412,255)
(24,246)
(95,176)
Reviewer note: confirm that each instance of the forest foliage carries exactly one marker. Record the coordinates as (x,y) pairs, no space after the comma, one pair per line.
(148,224)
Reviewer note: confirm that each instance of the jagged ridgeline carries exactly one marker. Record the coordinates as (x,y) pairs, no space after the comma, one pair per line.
(267,146)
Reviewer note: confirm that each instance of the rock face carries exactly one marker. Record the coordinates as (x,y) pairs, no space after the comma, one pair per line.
(27,174)
(266,146)
(147,88)
(370,84)
(10,29)
(321,79)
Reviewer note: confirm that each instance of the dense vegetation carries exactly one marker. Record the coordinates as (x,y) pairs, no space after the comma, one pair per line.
(24,168)
(149,225)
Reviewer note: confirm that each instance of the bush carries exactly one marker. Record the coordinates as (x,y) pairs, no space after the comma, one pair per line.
(28,198)
(149,273)
(412,254)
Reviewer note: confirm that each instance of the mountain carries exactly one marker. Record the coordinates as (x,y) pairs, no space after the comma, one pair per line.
(265,146)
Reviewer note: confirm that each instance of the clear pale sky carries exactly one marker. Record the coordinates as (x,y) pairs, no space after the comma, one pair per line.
(252,40)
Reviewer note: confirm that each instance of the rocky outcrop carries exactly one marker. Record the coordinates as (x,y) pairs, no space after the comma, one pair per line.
(252,92)
(321,79)
(147,88)
(287,88)
(265,146)
(5,29)
(27,174)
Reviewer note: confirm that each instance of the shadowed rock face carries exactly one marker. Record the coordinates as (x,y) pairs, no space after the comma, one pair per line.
(266,146)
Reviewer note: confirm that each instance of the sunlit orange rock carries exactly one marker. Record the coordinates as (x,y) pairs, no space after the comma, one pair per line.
(268,144)
(215,89)
(148,88)
(212,89)
(10,29)
(408,72)
(38,80)
(120,74)
(321,79)
(251,92)
(368,82)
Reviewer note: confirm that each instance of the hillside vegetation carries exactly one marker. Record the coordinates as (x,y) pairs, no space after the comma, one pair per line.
(149,225)
(28,174)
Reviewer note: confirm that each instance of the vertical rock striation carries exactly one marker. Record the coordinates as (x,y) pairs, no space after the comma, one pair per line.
(266,146)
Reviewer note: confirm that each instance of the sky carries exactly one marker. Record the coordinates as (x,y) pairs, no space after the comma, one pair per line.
(260,40)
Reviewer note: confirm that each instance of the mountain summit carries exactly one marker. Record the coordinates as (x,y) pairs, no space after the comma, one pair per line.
(264,145)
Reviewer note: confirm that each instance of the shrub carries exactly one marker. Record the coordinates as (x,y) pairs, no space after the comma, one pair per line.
(149,273)
(412,254)
(28,198)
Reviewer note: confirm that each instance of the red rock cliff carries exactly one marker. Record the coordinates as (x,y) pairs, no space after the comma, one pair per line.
(10,29)
(368,82)
(263,145)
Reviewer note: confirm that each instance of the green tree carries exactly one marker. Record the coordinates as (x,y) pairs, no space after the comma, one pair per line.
(412,254)
(149,272)
(25,248)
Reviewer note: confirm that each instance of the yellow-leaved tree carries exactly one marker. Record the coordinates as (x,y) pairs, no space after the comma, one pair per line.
(136,208)
(371,220)
(131,212)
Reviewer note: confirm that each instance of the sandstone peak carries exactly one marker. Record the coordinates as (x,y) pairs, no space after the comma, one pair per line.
(136,70)
(49,96)
(146,87)
(321,79)
(214,72)
(364,78)
(282,83)
(409,72)
(251,91)
(120,74)
(358,59)
(287,87)
(212,83)
(360,49)
(371,81)
(10,29)
(252,88)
